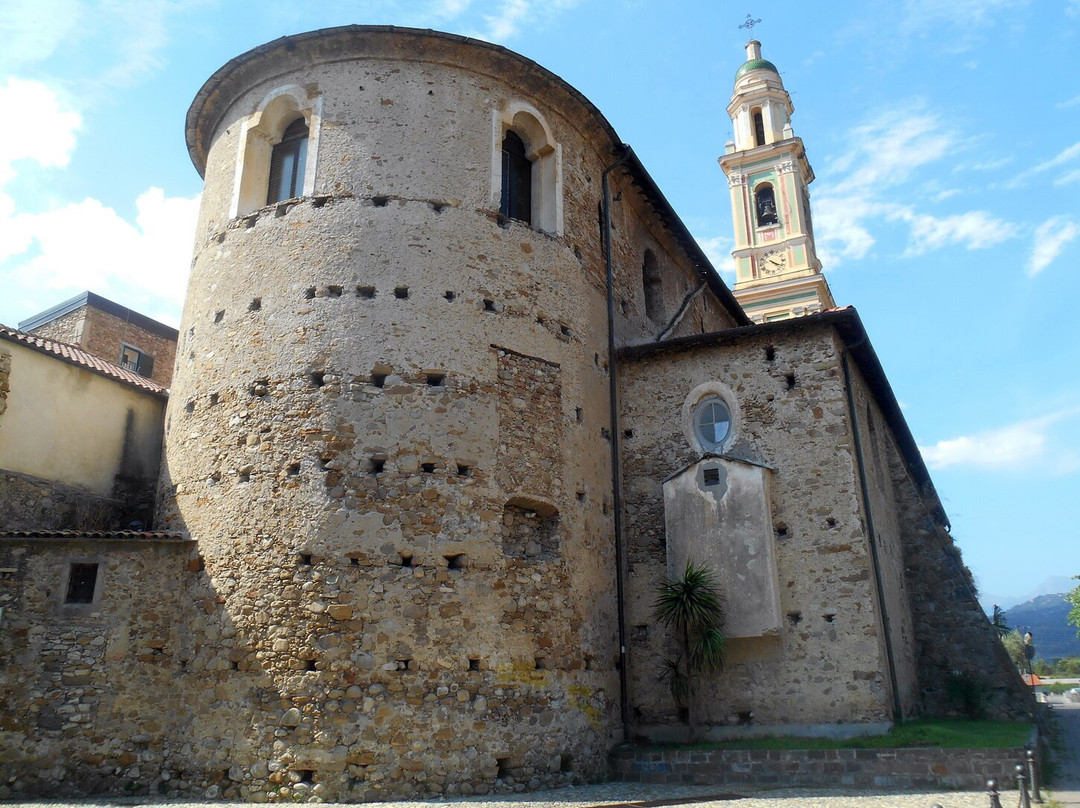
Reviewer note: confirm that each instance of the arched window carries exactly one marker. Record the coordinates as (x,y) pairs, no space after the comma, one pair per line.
(765,204)
(526,168)
(654,290)
(759,128)
(516,179)
(279,148)
(287,163)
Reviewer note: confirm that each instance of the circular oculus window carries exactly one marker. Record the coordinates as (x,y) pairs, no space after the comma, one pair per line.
(712,423)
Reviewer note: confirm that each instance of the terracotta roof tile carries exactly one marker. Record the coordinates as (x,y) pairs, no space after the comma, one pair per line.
(77,356)
(94,534)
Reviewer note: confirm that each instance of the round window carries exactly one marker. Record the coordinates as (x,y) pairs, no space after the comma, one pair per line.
(712,423)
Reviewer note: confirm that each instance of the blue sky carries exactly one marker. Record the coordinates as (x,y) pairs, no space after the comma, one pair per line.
(945,138)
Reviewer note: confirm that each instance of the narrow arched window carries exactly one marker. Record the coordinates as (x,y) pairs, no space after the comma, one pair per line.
(765,203)
(653,288)
(759,128)
(287,162)
(516,180)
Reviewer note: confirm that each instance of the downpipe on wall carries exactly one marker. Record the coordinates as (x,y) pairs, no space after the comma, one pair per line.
(616,473)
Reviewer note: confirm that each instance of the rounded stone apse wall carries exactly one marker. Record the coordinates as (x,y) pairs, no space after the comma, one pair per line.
(385,433)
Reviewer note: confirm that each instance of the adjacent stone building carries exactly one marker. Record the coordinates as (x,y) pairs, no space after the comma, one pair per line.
(111,332)
(455,388)
(80,438)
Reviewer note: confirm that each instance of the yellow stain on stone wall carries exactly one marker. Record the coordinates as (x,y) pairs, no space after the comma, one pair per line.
(521,673)
(581,698)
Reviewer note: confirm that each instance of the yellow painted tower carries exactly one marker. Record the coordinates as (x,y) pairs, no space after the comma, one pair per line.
(777,271)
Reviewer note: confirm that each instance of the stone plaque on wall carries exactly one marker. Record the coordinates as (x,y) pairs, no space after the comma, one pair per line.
(716,514)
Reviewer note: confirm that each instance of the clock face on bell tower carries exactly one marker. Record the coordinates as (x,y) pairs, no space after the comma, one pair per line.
(777,272)
(772,262)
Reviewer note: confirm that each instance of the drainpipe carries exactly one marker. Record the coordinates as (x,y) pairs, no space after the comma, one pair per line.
(616,472)
(871,536)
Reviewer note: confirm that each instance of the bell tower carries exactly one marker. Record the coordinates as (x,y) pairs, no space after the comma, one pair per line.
(777,271)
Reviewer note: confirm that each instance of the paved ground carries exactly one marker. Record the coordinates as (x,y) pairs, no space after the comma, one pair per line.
(620,794)
(1066,791)
(1066,788)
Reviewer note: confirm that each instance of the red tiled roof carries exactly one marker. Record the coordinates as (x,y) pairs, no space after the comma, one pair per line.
(94,534)
(77,356)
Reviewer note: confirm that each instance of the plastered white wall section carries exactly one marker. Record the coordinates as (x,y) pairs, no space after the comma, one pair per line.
(67,424)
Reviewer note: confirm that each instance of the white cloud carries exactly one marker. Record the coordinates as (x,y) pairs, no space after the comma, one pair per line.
(989,165)
(51,139)
(941,196)
(920,15)
(90,246)
(1051,237)
(974,230)
(1068,179)
(514,15)
(886,150)
(865,185)
(840,229)
(1072,102)
(1066,155)
(32,32)
(448,9)
(1009,447)
(504,25)
(718,250)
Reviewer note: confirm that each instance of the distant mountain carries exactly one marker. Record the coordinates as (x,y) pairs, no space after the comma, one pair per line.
(1047,618)
(1051,586)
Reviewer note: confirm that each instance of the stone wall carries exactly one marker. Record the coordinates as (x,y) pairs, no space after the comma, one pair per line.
(790,414)
(907,769)
(390,434)
(954,638)
(68,328)
(101,685)
(30,503)
(105,334)
(885,508)
(5,379)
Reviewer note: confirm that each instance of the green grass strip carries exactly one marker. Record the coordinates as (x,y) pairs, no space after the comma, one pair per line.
(933,732)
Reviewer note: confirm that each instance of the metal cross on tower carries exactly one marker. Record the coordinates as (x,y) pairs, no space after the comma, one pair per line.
(750,23)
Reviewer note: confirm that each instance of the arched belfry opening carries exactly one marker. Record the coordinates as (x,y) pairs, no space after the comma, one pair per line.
(765,205)
(759,127)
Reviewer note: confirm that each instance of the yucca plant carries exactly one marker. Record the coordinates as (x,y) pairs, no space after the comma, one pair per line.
(690,605)
(999,623)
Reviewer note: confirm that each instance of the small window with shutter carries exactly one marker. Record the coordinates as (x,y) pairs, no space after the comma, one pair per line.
(287,163)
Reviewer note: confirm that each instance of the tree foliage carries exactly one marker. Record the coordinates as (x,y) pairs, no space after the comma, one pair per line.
(1074,599)
(1014,645)
(999,623)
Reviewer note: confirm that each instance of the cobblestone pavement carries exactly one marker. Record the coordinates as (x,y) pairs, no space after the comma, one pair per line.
(640,795)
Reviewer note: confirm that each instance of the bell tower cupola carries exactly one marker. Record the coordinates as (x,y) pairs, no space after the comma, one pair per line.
(777,271)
